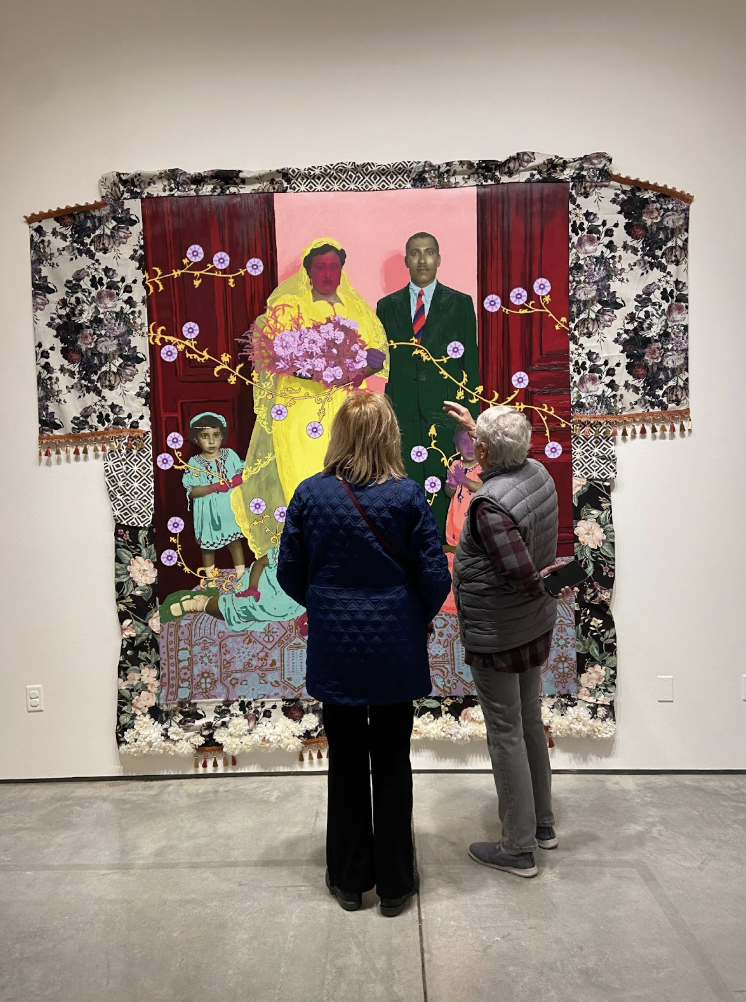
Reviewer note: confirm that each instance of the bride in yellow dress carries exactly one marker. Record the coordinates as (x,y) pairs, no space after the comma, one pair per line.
(294,413)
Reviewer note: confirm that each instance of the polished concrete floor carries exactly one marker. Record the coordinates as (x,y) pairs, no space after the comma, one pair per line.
(213,889)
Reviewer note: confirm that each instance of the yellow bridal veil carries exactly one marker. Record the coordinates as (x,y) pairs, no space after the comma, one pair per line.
(294,415)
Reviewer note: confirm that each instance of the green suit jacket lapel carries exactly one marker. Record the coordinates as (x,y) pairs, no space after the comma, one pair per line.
(402,314)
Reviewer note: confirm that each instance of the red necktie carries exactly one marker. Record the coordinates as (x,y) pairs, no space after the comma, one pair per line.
(418,321)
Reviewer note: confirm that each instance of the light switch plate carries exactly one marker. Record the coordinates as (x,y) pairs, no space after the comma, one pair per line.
(665,688)
(34,698)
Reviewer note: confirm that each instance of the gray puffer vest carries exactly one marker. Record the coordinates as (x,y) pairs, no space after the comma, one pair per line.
(494,616)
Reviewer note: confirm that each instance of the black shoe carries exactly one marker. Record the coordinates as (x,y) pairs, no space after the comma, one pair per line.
(391,907)
(492,854)
(348,899)
(546,836)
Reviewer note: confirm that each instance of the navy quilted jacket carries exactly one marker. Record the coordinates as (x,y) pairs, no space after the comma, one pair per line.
(367,615)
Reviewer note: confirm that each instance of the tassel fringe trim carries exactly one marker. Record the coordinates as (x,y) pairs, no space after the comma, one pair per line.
(624,426)
(85,444)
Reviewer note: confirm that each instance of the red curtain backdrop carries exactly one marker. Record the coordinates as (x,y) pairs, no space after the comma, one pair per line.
(243,227)
(522,236)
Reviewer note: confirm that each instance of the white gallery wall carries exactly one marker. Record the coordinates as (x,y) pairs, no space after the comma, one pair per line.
(89,87)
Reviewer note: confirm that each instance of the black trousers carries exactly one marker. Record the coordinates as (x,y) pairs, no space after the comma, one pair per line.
(364,846)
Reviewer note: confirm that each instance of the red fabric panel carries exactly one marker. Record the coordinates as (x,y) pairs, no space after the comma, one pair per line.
(243,227)
(522,235)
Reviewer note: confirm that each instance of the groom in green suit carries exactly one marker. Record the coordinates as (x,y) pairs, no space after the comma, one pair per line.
(442,321)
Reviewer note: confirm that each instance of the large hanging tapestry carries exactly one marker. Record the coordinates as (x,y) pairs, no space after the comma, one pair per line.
(202,346)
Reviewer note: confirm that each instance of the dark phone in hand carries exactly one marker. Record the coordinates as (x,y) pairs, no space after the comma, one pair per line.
(569,576)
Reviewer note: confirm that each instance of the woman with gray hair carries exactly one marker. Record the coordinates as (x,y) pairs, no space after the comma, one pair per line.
(506,618)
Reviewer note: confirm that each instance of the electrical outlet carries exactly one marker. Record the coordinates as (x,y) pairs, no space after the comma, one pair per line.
(34,698)
(665,688)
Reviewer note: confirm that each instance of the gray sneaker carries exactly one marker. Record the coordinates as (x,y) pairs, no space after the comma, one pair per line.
(492,854)
(546,837)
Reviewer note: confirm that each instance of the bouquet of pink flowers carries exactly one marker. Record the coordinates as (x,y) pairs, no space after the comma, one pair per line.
(329,351)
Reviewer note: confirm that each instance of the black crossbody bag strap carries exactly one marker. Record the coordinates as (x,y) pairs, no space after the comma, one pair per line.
(379,536)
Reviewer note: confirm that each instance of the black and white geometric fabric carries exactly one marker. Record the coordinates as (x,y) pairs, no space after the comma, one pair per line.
(594,457)
(129,481)
(352,177)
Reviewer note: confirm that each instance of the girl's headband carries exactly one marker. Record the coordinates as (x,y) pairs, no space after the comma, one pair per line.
(220,418)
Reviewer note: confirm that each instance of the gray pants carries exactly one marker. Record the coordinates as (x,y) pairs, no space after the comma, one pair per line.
(518,748)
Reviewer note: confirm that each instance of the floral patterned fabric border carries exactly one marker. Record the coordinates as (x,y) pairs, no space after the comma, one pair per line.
(590,711)
(592,169)
(629,307)
(90,323)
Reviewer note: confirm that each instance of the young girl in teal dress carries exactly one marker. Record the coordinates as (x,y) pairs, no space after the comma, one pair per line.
(256,597)
(211,477)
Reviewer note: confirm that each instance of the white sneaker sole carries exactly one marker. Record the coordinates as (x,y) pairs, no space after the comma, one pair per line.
(530,872)
(548,843)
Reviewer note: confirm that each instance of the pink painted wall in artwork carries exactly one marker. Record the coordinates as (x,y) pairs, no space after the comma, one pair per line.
(373,228)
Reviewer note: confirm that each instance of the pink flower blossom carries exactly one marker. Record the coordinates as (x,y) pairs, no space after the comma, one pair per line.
(155,622)
(518,296)
(578,483)
(106,299)
(175,524)
(143,701)
(314,429)
(589,384)
(195,253)
(419,454)
(165,461)
(190,330)
(593,676)
(519,380)
(492,303)
(257,506)
(589,533)
(255,266)
(169,557)
(677,313)
(169,353)
(286,343)
(128,629)
(142,571)
(174,440)
(221,260)
(587,244)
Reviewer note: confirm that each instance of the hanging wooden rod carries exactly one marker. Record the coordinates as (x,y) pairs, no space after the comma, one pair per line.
(68,210)
(683,196)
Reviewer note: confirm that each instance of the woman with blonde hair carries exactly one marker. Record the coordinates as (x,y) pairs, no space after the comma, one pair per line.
(362,553)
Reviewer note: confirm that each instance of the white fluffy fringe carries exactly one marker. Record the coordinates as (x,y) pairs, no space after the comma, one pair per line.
(146,736)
